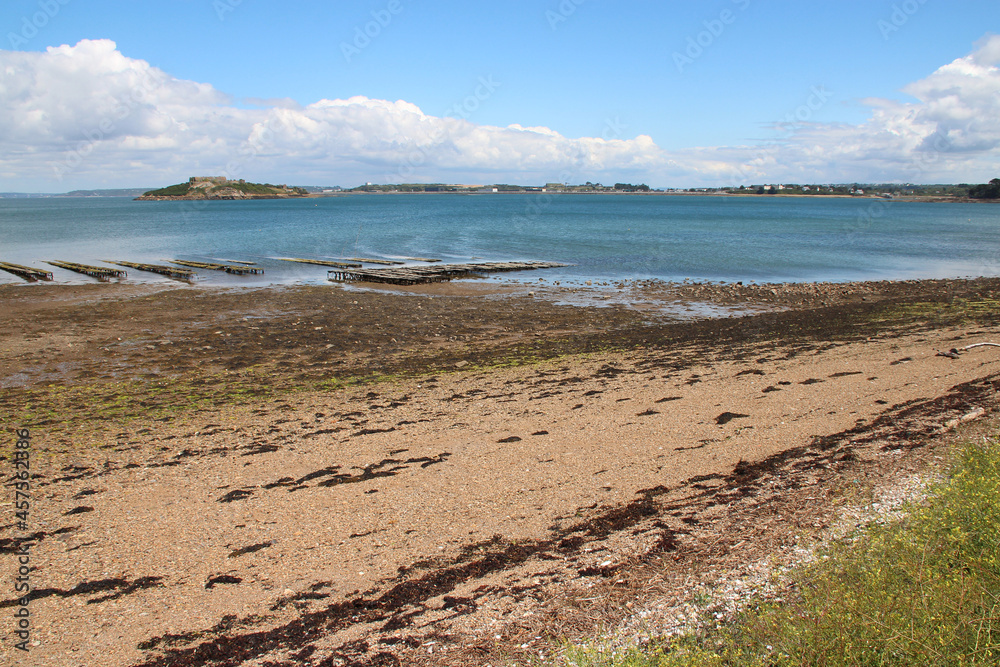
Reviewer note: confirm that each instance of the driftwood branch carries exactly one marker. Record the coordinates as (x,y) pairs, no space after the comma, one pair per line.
(968,417)
(954,352)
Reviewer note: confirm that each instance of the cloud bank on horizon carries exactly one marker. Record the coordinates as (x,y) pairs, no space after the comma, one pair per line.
(89,116)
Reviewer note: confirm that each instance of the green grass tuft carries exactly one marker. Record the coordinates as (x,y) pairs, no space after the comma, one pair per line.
(924,591)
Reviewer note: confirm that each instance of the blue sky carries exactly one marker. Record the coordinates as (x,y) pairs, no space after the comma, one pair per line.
(580,68)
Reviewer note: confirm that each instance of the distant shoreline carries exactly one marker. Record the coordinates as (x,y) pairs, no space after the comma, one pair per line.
(918,199)
(934,199)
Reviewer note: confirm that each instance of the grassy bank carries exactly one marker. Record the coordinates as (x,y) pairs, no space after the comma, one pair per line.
(923,591)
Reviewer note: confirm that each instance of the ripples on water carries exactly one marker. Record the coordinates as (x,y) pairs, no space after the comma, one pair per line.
(605,237)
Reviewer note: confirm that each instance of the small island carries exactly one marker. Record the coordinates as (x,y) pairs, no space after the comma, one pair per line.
(220,187)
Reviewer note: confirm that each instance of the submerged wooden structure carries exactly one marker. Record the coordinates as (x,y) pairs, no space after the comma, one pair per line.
(416,275)
(420,259)
(27,272)
(99,272)
(322,262)
(368,260)
(162,269)
(237,261)
(211,266)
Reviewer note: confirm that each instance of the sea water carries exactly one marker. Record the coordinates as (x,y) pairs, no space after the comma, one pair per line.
(603,237)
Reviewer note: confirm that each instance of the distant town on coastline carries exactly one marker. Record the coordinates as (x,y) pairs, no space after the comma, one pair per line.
(887,190)
(220,187)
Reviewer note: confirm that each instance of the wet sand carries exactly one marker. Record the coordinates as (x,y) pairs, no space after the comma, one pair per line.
(453,474)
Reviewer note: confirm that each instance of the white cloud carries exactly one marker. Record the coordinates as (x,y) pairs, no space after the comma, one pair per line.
(87,115)
(948,134)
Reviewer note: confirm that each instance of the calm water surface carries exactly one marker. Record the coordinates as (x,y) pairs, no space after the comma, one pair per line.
(605,237)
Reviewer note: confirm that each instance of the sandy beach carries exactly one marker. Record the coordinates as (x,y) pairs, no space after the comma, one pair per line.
(461,473)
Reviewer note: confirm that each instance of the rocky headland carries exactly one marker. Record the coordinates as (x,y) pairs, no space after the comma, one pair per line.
(220,187)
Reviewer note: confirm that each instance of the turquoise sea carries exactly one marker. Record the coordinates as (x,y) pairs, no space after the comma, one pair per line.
(604,237)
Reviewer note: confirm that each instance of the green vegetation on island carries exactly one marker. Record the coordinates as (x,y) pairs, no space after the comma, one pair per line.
(989,190)
(220,187)
(178,190)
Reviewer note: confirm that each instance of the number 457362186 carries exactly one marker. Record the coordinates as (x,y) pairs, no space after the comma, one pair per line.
(22,478)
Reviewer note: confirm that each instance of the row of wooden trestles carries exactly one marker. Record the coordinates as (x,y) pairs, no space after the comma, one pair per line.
(393,273)
(29,273)
(32,274)
(416,275)
(354,262)
(239,270)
